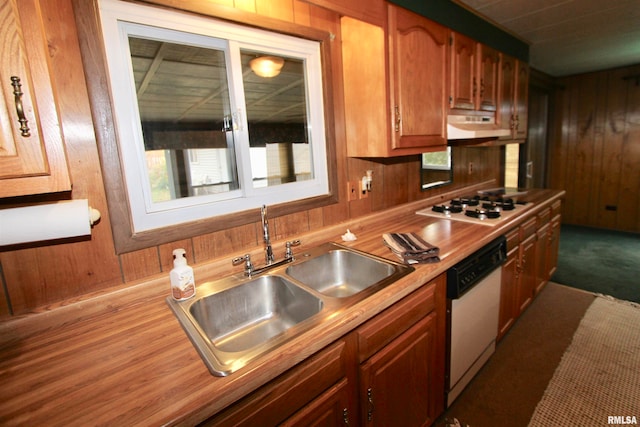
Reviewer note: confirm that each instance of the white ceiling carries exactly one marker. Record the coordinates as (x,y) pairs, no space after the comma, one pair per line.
(569,36)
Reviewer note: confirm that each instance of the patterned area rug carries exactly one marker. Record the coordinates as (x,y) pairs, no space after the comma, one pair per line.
(598,379)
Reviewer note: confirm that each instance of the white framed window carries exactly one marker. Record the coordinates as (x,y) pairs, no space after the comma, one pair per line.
(201,134)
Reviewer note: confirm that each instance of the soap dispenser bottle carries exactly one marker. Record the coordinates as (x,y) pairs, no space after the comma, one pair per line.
(182,281)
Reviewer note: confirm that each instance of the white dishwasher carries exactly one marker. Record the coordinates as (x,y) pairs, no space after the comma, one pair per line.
(473,308)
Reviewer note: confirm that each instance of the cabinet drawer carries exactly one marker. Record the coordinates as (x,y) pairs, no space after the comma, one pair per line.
(392,322)
(544,217)
(513,239)
(556,207)
(276,401)
(528,228)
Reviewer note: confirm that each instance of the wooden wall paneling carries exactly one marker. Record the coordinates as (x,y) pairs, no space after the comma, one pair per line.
(574,163)
(301,13)
(316,218)
(558,144)
(372,11)
(414,184)
(140,264)
(594,151)
(614,130)
(279,9)
(330,21)
(288,226)
(229,241)
(23,279)
(600,147)
(395,178)
(230,3)
(5,310)
(629,195)
(379,185)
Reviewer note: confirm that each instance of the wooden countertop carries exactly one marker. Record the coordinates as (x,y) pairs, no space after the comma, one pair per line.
(123,358)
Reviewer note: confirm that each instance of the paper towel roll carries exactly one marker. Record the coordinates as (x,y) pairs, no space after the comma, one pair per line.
(69,218)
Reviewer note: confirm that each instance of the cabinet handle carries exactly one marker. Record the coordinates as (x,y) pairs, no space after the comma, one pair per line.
(345,416)
(398,118)
(481,89)
(371,407)
(24,129)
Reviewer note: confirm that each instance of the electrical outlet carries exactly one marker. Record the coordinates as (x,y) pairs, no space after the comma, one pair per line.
(470,168)
(352,191)
(363,194)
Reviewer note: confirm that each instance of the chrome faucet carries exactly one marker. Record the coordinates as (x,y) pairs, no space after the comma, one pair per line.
(249,268)
(268,251)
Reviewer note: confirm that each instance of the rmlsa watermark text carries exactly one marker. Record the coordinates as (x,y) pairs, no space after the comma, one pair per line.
(622,419)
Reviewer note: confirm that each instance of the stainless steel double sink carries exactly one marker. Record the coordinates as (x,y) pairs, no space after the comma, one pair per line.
(233,320)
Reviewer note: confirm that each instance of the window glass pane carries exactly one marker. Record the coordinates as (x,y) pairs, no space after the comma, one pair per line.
(183,100)
(436,169)
(276,106)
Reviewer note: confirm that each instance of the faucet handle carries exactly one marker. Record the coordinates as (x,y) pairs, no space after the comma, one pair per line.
(288,252)
(246,260)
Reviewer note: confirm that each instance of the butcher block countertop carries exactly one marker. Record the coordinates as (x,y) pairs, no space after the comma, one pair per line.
(123,359)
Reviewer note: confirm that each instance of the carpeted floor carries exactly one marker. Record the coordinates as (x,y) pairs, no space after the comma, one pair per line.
(508,388)
(598,375)
(600,261)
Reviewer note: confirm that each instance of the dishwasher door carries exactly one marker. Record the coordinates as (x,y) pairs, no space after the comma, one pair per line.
(474,328)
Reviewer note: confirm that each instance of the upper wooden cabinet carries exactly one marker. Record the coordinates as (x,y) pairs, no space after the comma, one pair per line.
(32,155)
(395,85)
(513,92)
(419,77)
(474,75)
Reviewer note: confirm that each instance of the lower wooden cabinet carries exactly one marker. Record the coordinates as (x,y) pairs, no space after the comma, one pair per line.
(509,286)
(527,272)
(396,382)
(553,245)
(276,401)
(329,409)
(402,353)
(388,371)
(532,257)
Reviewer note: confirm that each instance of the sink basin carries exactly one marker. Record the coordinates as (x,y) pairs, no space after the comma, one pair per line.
(232,326)
(255,312)
(342,272)
(233,320)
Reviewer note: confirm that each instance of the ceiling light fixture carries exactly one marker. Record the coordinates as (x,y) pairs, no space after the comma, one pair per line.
(266,66)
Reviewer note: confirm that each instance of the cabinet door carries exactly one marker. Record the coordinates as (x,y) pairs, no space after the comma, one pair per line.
(395,382)
(553,246)
(508,292)
(488,70)
(506,94)
(365,88)
(464,81)
(528,274)
(418,64)
(521,100)
(542,244)
(281,398)
(329,410)
(32,157)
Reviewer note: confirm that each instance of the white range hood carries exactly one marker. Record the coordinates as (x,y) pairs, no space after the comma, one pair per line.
(474,127)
